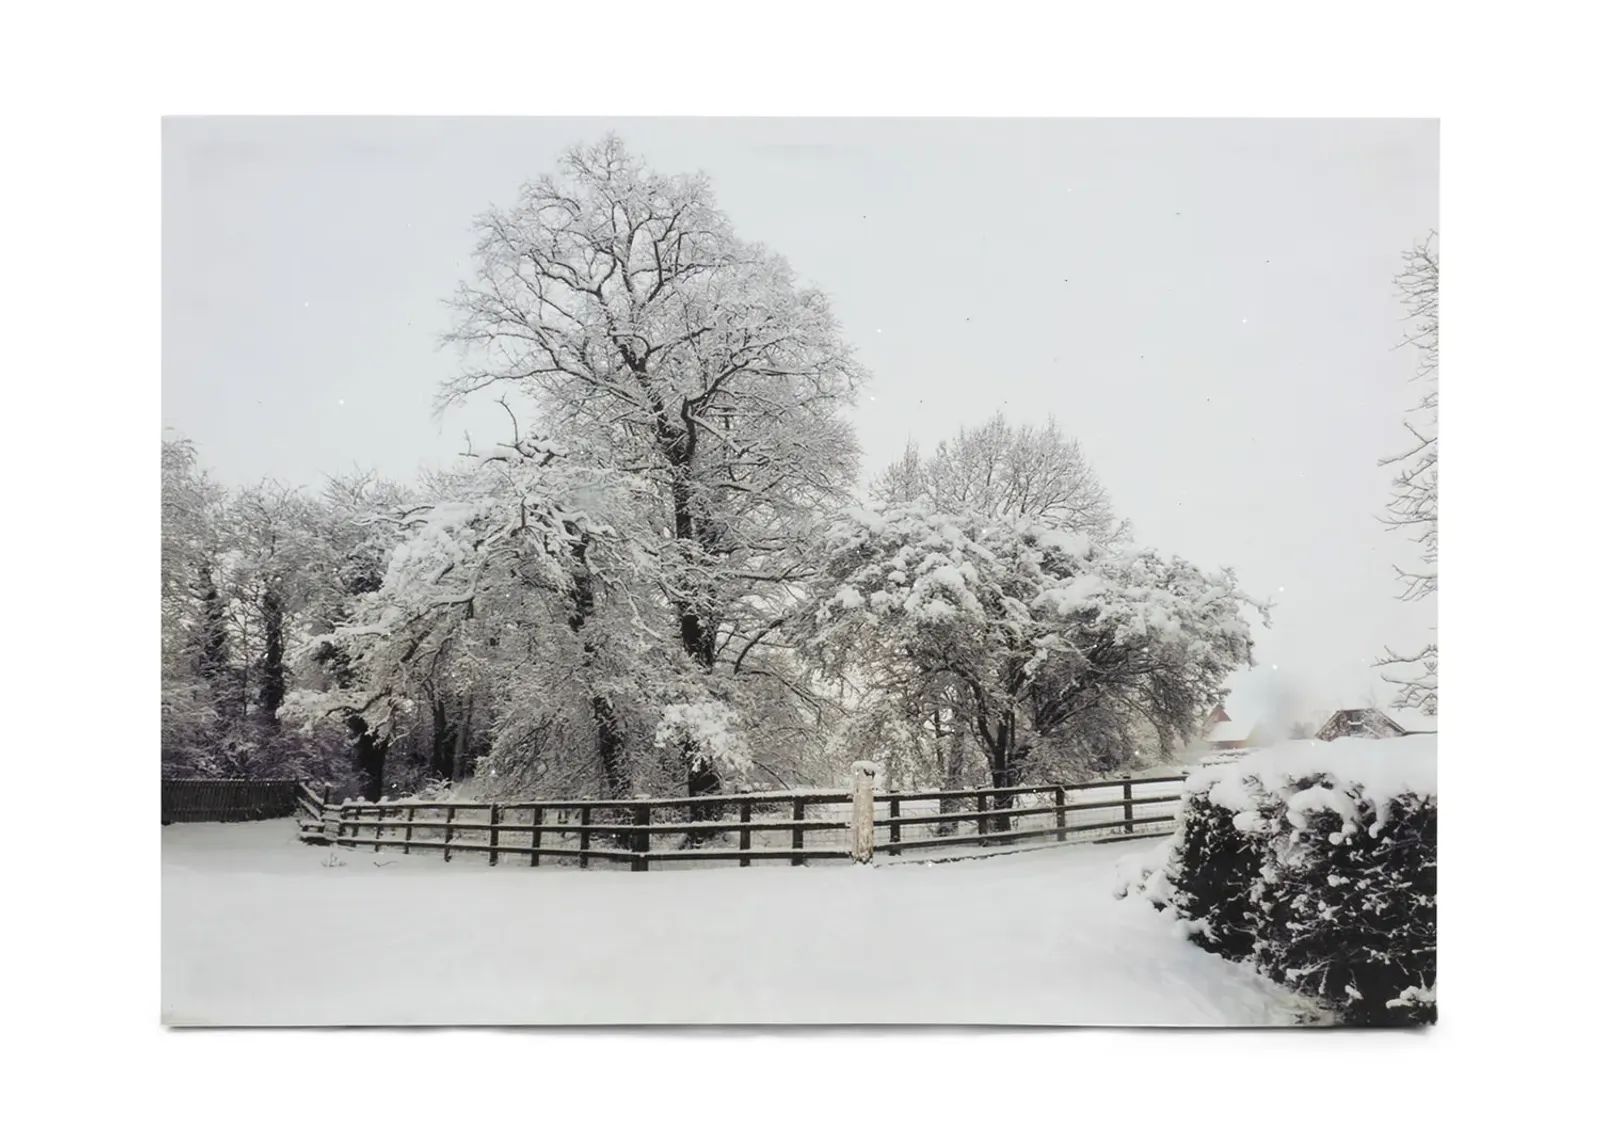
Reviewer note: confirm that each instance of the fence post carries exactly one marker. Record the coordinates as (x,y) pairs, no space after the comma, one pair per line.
(1061,814)
(744,835)
(865,774)
(641,839)
(449,821)
(798,836)
(983,820)
(377,831)
(411,815)
(1127,805)
(494,834)
(538,836)
(894,827)
(583,837)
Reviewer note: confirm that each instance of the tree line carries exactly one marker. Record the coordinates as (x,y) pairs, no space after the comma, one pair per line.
(661,578)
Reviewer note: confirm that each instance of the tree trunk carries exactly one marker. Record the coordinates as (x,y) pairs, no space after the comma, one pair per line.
(458,767)
(214,656)
(274,683)
(610,742)
(370,754)
(442,763)
(609,737)
(703,779)
(1003,770)
(696,632)
(697,629)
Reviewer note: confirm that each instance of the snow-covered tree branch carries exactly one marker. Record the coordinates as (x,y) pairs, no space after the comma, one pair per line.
(1002,471)
(1413,508)
(1044,643)
(652,340)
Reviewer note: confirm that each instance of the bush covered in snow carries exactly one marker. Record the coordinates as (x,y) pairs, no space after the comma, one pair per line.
(1316,864)
(709,726)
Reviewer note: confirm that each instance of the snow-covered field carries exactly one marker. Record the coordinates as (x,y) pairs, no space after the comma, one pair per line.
(258,929)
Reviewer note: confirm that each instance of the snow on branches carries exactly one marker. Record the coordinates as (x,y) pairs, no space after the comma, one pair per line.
(499,537)
(707,728)
(658,343)
(1414,501)
(1005,471)
(659,346)
(1038,637)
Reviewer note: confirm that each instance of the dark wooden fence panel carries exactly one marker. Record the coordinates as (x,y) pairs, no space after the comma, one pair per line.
(765,828)
(227,800)
(1099,811)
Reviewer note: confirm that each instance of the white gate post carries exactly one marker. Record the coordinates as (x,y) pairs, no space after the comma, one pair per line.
(865,773)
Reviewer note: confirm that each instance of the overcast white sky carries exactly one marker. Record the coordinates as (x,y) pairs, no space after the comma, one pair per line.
(1207,305)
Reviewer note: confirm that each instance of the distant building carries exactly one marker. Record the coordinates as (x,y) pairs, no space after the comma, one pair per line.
(1223,732)
(1232,735)
(1360,723)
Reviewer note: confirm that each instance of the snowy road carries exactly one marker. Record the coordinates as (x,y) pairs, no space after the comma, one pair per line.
(257,930)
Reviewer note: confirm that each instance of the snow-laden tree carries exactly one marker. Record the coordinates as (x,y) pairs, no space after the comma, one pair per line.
(517,598)
(188,508)
(997,470)
(1002,471)
(194,634)
(491,628)
(276,570)
(656,343)
(344,563)
(246,577)
(1414,504)
(1050,648)
(905,733)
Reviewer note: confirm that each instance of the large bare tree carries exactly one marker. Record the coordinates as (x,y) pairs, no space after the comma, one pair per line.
(1003,471)
(655,342)
(1414,503)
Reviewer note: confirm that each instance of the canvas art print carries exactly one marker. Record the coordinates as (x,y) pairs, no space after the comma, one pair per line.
(675,571)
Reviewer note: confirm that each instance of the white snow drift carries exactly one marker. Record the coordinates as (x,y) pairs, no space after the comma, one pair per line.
(260,930)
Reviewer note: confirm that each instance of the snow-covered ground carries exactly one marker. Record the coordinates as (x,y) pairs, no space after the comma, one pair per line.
(258,929)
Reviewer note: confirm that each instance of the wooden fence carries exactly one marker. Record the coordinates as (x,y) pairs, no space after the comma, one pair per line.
(789,827)
(227,800)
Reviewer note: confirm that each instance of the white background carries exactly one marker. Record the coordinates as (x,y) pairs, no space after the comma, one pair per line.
(85,87)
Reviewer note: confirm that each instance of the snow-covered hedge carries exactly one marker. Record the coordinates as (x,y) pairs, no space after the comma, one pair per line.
(1316,863)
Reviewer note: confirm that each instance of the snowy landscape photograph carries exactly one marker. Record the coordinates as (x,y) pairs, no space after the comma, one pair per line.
(741,571)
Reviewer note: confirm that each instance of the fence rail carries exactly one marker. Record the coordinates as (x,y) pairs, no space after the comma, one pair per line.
(768,827)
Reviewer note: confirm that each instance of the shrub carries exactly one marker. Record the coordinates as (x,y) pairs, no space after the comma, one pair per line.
(1317,865)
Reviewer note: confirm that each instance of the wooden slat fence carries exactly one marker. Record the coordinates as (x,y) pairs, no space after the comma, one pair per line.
(793,827)
(1104,810)
(227,800)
